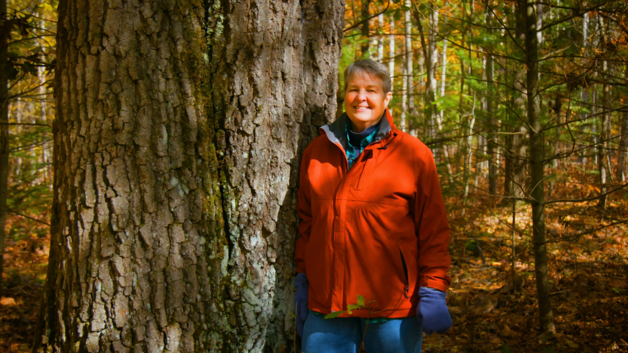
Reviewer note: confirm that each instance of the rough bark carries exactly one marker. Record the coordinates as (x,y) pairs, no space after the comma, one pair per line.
(176,150)
(4,135)
(537,155)
(274,83)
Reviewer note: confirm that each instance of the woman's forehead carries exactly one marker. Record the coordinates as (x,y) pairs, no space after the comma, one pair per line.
(364,78)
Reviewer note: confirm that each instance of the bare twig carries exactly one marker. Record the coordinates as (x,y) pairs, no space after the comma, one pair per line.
(29,217)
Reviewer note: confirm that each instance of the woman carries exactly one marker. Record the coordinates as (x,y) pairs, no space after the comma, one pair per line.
(373,223)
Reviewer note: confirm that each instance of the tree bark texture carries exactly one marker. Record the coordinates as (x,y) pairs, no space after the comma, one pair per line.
(274,81)
(177,141)
(537,156)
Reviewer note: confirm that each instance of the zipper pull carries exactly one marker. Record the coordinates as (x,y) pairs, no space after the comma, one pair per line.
(406,289)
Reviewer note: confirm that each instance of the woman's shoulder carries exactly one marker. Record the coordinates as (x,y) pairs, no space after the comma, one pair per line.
(413,145)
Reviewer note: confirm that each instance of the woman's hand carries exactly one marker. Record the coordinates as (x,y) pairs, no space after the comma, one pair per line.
(432,311)
(300,301)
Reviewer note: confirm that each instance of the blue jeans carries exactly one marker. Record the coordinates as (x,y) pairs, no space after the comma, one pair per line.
(345,334)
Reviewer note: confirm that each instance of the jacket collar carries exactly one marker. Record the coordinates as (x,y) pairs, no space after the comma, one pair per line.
(336,131)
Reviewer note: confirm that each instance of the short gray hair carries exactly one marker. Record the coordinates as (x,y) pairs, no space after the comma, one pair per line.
(371,68)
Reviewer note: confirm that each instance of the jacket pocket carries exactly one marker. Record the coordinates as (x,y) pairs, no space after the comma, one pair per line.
(406,288)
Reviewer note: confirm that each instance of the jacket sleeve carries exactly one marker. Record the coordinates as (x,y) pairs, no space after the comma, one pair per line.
(432,227)
(304,208)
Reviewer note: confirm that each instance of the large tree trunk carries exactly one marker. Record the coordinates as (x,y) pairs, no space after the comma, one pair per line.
(176,159)
(4,135)
(537,155)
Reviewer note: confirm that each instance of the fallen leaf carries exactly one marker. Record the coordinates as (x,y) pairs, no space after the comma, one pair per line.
(571,344)
(506,331)
(7,301)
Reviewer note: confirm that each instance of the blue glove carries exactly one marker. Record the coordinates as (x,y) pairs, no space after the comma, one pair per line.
(432,311)
(300,301)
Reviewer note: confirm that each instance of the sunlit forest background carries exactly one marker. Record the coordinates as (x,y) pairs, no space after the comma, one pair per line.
(459,71)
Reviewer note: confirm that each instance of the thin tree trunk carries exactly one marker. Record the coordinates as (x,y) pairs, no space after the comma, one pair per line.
(380,38)
(404,97)
(603,146)
(557,146)
(431,56)
(443,77)
(622,171)
(537,154)
(623,144)
(518,151)
(366,40)
(391,52)
(433,53)
(176,158)
(409,66)
(468,156)
(490,141)
(4,136)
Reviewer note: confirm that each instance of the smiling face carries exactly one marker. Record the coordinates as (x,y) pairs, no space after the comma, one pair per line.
(365,101)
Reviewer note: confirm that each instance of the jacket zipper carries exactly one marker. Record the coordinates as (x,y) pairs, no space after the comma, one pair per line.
(357,186)
(362,172)
(406,288)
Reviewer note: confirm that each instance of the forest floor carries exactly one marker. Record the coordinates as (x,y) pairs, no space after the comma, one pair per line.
(588,270)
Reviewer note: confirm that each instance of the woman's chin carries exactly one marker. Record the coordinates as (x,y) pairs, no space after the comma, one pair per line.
(362,117)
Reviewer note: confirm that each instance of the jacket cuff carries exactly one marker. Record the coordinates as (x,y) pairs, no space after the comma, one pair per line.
(433,282)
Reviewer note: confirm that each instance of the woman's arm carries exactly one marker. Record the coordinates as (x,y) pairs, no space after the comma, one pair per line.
(432,227)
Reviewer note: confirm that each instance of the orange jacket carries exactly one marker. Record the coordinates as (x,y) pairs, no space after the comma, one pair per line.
(378,230)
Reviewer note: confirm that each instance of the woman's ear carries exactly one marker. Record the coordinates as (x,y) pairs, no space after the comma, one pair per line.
(387,98)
